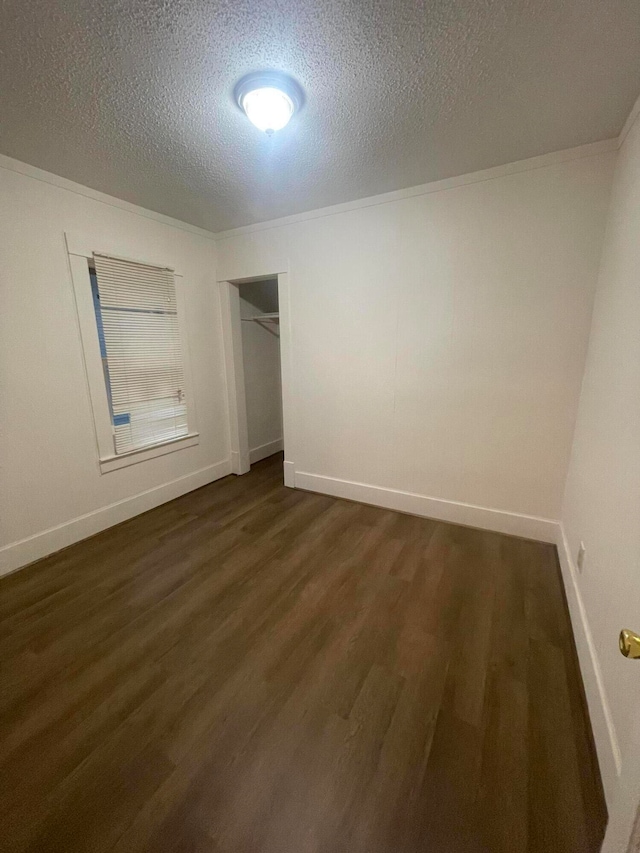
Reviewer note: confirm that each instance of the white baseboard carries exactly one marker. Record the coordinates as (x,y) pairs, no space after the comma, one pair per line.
(239,464)
(289,474)
(18,554)
(265,450)
(515,524)
(604,731)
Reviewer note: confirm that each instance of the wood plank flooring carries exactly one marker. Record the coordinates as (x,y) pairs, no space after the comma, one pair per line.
(252,669)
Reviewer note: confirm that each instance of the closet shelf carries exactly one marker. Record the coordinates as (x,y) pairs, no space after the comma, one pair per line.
(262,318)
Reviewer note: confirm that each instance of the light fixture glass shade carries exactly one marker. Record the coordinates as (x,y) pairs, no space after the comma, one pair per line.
(268,108)
(268,98)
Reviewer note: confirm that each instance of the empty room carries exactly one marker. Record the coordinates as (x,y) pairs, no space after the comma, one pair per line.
(319,426)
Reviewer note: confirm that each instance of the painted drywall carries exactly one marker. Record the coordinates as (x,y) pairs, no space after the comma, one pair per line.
(602,501)
(437,343)
(438,339)
(49,469)
(261,361)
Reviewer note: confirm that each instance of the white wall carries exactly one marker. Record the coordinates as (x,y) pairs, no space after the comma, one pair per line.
(49,470)
(263,391)
(602,500)
(438,338)
(437,345)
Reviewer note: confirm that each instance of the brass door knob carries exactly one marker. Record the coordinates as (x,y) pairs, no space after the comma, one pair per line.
(629,644)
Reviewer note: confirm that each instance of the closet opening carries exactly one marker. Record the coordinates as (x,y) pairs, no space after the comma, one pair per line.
(260,332)
(252,329)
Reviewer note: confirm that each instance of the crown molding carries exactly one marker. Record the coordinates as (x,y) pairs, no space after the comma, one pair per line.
(544,160)
(592,149)
(79,189)
(631,120)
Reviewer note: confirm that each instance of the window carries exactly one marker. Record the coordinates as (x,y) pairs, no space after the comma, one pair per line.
(135,356)
(137,321)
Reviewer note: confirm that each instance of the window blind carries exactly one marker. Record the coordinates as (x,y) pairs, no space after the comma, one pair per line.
(143,353)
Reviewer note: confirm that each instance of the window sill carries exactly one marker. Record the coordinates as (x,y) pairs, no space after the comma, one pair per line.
(113,463)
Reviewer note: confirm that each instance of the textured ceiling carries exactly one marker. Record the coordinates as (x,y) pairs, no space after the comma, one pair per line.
(134,97)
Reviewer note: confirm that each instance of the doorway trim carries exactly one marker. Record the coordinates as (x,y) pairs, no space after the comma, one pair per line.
(229,295)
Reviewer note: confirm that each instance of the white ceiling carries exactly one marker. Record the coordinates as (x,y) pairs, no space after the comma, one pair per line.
(134,97)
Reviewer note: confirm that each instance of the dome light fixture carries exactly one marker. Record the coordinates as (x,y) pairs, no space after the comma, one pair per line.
(269,99)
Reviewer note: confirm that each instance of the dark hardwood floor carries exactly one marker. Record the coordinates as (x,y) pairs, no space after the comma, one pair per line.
(252,669)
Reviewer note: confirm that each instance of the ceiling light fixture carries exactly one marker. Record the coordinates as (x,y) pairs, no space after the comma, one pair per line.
(269,99)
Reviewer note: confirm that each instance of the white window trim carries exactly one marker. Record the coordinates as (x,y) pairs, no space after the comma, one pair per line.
(80,253)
